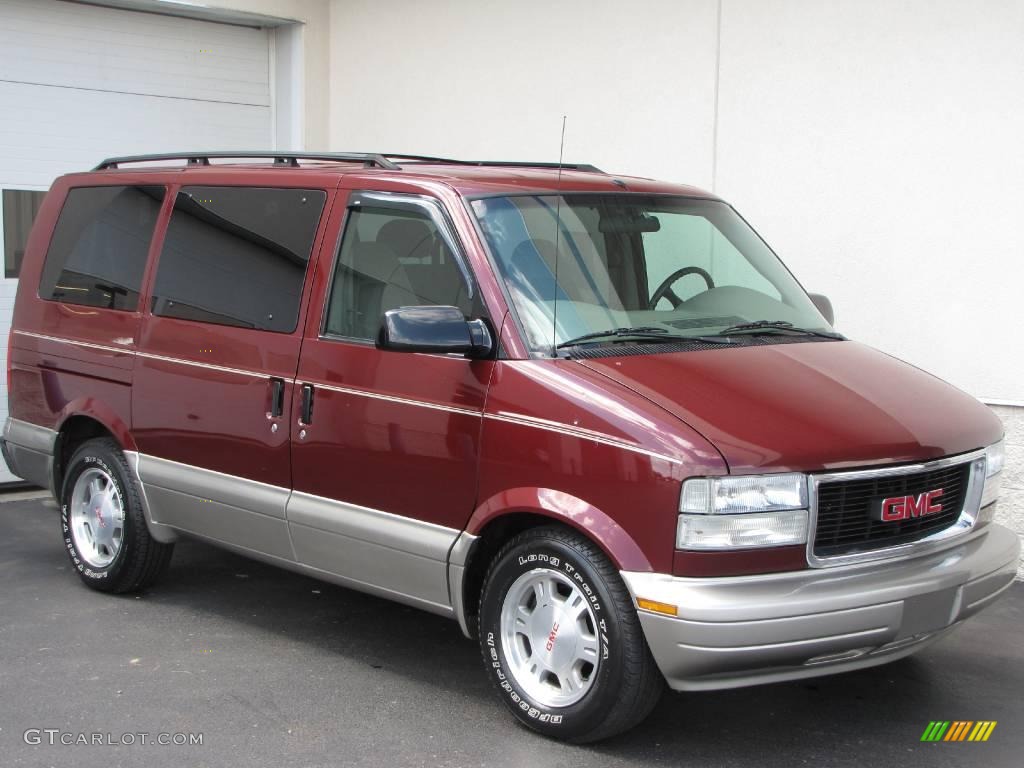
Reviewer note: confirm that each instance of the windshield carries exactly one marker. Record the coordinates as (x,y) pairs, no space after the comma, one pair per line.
(681,266)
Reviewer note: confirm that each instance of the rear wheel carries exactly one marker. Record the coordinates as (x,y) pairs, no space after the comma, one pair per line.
(103,523)
(561,639)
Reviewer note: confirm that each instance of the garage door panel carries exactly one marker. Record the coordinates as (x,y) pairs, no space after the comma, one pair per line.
(39,147)
(79,83)
(52,43)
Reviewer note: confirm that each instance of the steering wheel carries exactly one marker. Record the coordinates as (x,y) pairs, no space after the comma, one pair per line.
(665,289)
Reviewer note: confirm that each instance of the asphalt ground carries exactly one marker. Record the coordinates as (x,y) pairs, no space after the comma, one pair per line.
(280,670)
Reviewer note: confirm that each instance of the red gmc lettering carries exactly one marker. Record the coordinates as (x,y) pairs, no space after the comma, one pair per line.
(904,507)
(551,637)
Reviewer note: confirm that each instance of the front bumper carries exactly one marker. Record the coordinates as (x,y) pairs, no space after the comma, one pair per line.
(738,631)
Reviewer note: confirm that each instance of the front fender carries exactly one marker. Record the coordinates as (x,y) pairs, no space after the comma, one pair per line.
(618,545)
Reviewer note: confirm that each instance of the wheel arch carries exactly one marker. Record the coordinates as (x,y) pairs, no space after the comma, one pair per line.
(509,513)
(81,420)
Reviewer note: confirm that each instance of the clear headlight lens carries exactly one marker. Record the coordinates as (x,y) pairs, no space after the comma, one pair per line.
(752,529)
(995,458)
(737,495)
(742,512)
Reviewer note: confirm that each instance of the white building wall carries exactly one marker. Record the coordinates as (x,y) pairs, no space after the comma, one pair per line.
(492,78)
(877,146)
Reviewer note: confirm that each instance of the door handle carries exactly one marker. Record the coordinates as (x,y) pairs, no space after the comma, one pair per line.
(307,404)
(276,397)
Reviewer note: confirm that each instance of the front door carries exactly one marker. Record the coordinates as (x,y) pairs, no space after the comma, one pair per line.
(217,357)
(385,444)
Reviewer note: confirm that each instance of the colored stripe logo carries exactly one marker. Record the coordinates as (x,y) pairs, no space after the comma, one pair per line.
(958,730)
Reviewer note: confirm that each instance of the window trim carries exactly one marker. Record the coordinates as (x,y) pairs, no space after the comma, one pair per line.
(402,201)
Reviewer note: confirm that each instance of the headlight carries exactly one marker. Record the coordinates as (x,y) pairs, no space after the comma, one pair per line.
(736,495)
(742,512)
(753,529)
(995,458)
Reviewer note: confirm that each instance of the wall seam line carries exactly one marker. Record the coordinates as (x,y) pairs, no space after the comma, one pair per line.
(714,122)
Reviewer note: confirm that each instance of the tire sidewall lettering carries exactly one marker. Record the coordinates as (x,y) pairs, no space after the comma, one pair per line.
(79,564)
(541,557)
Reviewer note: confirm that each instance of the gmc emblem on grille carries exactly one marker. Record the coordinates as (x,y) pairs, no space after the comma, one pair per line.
(906,507)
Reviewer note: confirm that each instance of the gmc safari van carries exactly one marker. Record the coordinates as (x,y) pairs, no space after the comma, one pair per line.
(592,418)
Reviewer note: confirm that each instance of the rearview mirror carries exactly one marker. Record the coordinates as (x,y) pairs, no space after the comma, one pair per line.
(824,306)
(434,329)
(628,224)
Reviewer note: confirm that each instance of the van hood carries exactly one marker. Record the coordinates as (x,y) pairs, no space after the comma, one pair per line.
(808,406)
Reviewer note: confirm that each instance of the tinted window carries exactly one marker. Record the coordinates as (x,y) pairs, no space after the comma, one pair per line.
(20,209)
(98,251)
(391,258)
(237,256)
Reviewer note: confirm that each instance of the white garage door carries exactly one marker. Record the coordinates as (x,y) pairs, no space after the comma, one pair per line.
(79,83)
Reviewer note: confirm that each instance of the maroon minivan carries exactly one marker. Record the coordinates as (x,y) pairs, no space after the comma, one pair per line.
(592,418)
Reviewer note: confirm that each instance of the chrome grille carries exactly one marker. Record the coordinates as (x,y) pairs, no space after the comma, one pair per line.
(844,509)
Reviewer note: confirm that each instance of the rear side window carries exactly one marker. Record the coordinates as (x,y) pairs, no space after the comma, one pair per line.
(98,251)
(237,256)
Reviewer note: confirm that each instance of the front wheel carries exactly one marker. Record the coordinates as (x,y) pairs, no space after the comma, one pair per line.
(561,639)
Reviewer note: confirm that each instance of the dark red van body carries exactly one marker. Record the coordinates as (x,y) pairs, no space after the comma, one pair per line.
(469,452)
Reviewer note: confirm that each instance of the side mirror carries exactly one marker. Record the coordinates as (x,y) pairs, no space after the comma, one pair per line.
(824,306)
(434,329)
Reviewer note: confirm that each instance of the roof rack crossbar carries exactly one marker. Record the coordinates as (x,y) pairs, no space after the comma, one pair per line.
(494,163)
(290,159)
(382,160)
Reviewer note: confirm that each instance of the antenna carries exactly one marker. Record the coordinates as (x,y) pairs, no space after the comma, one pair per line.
(558,222)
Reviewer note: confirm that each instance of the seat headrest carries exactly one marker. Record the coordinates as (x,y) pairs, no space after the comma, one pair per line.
(377,261)
(530,249)
(409,238)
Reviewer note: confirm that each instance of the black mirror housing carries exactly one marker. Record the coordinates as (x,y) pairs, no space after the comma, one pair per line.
(434,329)
(822,303)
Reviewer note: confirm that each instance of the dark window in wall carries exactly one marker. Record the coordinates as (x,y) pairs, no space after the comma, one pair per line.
(392,258)
(237,256)
(20,209)
(98,251)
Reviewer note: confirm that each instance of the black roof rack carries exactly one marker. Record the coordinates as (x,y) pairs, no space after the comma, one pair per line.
(291,159)
(494,163)
(368,159)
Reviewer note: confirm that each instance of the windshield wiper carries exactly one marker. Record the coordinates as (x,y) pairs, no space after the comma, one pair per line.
(777,326)
(646,332)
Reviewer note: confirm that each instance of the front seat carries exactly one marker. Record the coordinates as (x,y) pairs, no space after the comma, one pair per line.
(429,265)
(375,282)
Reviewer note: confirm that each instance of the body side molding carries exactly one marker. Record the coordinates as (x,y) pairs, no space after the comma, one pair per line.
(28,449)
(395,553)
(458,558)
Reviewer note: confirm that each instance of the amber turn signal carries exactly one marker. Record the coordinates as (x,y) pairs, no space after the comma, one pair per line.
(654,605)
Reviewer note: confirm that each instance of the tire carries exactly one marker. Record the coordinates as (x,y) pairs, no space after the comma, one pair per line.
(589,677)
(99,497)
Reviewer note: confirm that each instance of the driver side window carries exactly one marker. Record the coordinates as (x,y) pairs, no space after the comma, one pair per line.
(693,241)
(390,258)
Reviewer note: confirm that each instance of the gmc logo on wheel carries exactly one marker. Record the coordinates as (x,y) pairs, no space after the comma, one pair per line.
(906,507)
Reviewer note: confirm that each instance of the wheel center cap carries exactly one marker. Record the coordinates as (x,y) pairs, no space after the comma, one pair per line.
(554,637)
(99,517)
